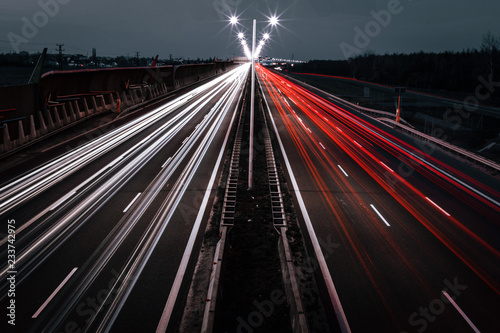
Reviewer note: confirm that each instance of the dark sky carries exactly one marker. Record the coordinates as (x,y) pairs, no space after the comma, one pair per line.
(310,29)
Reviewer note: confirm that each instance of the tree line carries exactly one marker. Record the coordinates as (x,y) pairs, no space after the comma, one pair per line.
(26,59)
(451,71)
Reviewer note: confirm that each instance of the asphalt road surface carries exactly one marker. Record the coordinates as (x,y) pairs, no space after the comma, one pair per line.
(101,236)
(410,236)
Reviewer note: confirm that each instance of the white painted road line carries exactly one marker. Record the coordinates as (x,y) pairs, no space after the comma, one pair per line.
(60,201)
(360,146)
(345,173)
(380,215)
(54,293)
(322,146)
(166,162)
(286,102)
(338,129)
(436,205)
(176,286)
(460,311)
(132,202)
(385,166)
(332,291)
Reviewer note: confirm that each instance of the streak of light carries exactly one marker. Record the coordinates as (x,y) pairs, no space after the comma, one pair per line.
(380,215)
(132,202)
(54,293)
(438,207)
(462,313)
(343,171)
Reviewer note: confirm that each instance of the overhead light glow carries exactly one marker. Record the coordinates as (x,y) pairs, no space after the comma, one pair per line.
(233,20)
(273,20)
(266,36)
(240,35)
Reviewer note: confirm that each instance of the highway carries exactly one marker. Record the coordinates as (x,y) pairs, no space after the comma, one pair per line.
(104,236)
(101,235)
(407,236)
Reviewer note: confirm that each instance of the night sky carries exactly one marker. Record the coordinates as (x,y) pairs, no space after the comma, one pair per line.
(309,29)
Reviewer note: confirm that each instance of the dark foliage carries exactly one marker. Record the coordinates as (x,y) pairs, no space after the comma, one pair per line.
(451,71)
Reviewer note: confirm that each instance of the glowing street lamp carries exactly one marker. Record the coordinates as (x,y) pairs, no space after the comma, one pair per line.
(273,20)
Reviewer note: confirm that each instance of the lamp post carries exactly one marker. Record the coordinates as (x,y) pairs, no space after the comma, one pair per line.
(252,106)
(273,21)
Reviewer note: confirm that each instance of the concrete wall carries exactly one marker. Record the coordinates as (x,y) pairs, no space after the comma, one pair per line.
(30,112)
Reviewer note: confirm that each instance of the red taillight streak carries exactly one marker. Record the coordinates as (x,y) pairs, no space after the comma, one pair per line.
(409,206)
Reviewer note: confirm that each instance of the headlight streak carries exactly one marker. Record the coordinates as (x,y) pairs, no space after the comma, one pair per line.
(148,142)
(209,125)
(86,209)
(34,182)
(151,237)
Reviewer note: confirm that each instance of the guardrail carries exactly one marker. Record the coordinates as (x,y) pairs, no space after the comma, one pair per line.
(290,280)
(470,156)
(406,127)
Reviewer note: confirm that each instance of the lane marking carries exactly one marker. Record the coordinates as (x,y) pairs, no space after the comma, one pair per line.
(309,130)
(460,311)
(60,201)
(338,129)
(385,165)
(380,215)
(437,206)
(54,293)
(132,202)
(332,291)
(166,162)
(360,146)
(179,277)
(345,173)
(322,146)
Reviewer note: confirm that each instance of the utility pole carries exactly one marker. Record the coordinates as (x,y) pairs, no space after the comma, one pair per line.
(137,58)
(60,55)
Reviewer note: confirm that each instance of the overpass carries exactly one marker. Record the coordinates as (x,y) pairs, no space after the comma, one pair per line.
(33,111)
